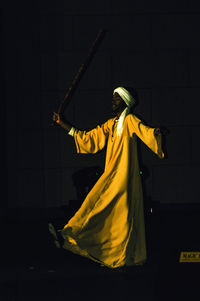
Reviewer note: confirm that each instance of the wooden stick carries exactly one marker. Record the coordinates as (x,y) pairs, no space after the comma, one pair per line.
(81,71)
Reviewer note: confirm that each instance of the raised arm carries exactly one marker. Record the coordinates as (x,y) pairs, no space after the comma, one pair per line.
(91,141)
(59,119)
(152,137)
(86,141)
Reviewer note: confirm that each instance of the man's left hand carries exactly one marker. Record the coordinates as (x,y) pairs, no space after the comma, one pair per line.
(157,131)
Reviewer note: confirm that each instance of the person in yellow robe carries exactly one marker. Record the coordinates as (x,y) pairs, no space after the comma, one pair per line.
(109,227)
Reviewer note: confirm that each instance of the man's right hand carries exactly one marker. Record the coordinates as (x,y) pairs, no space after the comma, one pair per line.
(56,117)
(59,119)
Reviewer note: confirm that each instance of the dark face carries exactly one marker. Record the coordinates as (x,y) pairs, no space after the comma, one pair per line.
(118,105)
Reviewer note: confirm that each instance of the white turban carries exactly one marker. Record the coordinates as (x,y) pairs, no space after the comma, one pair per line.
(125,95)
(130,101)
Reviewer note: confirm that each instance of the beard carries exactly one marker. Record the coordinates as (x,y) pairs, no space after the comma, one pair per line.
(118,108)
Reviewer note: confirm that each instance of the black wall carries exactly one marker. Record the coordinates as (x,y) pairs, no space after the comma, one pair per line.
(153,46)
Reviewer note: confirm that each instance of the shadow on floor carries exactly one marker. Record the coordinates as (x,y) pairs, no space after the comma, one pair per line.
(33,269)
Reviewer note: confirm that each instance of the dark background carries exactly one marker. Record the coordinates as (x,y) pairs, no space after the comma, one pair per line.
(152,46)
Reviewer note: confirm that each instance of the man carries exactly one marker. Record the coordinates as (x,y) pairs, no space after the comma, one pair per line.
(109,226)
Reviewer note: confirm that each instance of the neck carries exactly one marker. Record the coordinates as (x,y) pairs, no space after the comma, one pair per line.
(118,114)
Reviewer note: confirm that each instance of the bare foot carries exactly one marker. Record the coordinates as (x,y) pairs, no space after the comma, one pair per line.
(57,244)
(52,230)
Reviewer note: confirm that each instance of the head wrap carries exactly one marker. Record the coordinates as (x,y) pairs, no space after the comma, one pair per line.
(130,101)
(125,95)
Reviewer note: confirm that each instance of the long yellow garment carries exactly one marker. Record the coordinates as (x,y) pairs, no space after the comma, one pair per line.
(109,226)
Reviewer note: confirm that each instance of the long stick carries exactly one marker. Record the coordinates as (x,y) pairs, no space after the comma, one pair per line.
(80,73)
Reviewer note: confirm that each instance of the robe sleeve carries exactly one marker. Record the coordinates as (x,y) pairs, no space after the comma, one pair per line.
(146,134)
(91,141)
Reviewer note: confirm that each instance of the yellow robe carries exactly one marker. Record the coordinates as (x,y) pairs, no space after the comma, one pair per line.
(109,226)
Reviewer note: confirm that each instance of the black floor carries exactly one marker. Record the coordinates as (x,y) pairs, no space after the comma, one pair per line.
(33,269)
